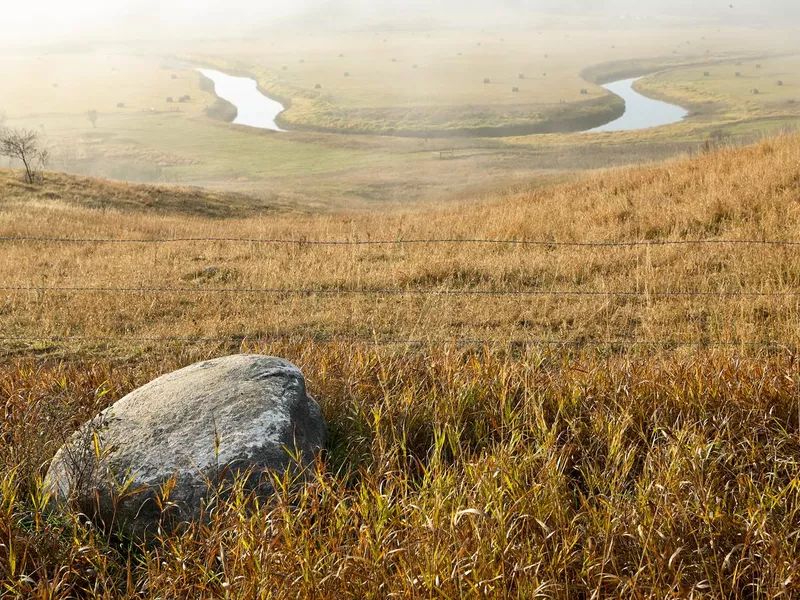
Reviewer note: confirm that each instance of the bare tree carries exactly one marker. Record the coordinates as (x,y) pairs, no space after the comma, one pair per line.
(25,145)
(93,114)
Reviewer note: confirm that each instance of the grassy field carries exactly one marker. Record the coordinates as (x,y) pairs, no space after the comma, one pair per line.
(456,291)
(150,140)
(766,88)
(71,83)
(432,82)
(635,446)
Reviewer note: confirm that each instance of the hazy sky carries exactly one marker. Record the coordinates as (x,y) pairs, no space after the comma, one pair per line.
(43,21)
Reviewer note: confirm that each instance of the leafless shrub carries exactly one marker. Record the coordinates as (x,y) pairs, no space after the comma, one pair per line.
(25,145)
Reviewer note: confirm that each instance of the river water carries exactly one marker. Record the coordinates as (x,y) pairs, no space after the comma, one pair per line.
(255,109)
(641,112)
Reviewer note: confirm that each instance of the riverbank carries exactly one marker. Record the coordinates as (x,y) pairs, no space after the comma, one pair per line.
(221,110)
(641,112)
(631,111)
(242,101)
(252,107)
(315,111)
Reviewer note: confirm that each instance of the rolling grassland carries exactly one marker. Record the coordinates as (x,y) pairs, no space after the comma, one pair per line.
(608,410)
(320,166)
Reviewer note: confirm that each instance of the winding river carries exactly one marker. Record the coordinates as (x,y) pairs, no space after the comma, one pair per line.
(257,110)
(641,112)
(254,108)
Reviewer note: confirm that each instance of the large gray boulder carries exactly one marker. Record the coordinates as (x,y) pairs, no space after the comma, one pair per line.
(203,424)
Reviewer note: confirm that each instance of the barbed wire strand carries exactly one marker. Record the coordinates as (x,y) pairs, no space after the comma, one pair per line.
(393,292)
(396,341)
(398,242)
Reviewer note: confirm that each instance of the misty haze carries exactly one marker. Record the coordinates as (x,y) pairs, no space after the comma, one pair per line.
(372,299)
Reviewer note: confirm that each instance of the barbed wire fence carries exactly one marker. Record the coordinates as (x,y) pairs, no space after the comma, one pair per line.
(402,242)
(573,342)
(396,292)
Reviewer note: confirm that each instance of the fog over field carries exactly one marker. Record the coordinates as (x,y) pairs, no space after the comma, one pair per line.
(48,21)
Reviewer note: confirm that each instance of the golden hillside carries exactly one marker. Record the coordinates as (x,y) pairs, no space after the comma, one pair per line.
(692,267)
(582,467)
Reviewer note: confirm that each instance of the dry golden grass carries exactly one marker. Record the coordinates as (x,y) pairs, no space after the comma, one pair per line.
(488,470)
(476,474)
(103,195)
(248,290)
